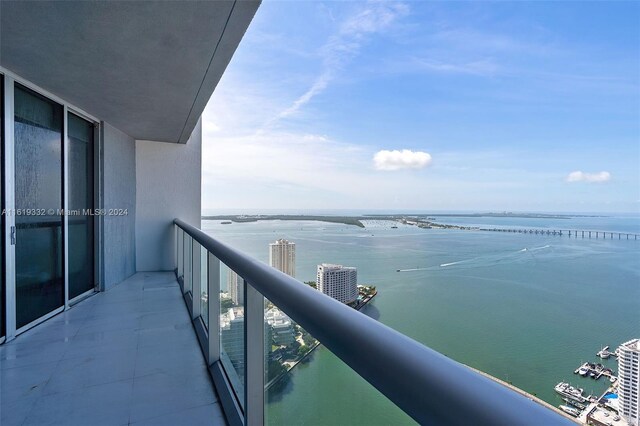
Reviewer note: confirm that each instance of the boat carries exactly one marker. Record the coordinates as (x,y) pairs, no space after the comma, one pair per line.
(394,227)
(566,390)
(613,379)
(604,353)
(574,403)
(570,410)
(226,222)
(592,374)
(584,370)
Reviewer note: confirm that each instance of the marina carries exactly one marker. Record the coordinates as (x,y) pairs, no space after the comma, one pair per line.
(591,409)
(595,371)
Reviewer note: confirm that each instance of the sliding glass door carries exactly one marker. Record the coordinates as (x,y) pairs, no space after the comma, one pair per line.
(38,142)
(81,196)
(48,231)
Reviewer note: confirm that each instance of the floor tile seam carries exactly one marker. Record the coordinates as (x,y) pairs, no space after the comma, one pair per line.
(216,402)
(110,382)
(39,397)
(28,365)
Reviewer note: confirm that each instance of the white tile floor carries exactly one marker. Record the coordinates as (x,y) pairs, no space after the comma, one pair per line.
(128,356)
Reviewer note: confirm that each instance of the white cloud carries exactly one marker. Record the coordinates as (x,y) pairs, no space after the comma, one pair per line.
(374,18)
(397,160)
(485,67)
(210,126)
(579,176)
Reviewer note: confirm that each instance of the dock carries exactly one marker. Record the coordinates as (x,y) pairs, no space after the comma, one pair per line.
(598,371)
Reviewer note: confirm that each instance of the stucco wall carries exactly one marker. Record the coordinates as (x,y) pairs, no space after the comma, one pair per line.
(118,192)
(168,184)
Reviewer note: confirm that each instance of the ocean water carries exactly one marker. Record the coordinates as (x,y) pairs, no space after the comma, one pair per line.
(528,309)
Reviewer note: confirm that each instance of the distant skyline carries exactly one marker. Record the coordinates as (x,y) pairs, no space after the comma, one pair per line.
(483,106)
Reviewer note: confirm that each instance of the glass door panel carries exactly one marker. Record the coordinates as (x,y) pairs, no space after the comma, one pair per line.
(38,203)
(81,223)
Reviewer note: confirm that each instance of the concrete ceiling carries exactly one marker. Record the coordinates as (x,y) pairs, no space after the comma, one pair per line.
(146,67)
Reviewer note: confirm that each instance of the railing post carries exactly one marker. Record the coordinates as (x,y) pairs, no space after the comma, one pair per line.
(213,305)
(180,251)
(196,288)
(188,266)
(254,355)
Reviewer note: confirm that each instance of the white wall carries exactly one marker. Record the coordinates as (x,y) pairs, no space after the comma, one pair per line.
(168,185)
(118,192)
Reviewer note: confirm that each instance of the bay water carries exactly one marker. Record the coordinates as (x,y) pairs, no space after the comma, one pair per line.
(528,309)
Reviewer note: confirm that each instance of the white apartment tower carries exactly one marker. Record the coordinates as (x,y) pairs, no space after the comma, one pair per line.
(282,256)
(629,381)
(235,287)
(339,282)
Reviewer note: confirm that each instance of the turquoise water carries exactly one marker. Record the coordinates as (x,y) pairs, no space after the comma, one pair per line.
(529,317)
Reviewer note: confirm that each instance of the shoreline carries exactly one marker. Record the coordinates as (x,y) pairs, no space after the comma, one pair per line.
(525,394)
(279,377)
(426,222)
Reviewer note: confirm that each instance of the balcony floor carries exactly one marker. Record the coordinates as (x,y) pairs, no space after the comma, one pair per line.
(128,356)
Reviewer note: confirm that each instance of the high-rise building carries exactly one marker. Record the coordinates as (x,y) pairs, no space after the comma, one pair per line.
(235,287)
(339,282)
(282,331)
(282,256)
(232,338)
(629,381)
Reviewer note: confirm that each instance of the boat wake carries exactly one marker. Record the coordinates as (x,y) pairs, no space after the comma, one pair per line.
(484,261)
(454,263)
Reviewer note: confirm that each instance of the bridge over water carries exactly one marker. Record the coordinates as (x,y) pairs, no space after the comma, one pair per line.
(573,233)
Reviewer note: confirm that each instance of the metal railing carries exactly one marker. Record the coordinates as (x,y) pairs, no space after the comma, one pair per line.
(425,384)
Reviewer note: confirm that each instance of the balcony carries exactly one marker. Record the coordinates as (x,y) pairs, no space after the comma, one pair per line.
(125,356)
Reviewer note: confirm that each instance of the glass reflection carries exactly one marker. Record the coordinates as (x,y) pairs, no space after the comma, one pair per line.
(38,200)
(81,225)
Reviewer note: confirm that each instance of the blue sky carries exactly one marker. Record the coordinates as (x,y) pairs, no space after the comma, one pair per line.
(519,106)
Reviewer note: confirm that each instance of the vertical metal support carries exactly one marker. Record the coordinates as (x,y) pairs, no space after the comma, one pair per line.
(97,229)
(180,248)
(254,355)
(213,295)
(100,205)
(187,264)
(196,289)
(10,205)
(65,204)
(176,251)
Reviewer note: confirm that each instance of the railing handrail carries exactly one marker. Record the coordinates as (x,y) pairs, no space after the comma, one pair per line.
(425,384)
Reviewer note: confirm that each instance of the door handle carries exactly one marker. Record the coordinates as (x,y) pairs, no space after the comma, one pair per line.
(13,235)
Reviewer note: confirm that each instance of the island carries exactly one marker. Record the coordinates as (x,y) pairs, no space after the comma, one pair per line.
(421,220)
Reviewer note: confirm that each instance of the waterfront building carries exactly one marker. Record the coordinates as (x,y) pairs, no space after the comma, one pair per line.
(629,381)
(339,282)
(232,338)
(282,256)
(235,288)
(282,331)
